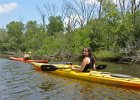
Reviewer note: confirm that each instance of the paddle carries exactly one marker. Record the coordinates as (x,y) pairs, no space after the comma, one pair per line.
(53,68)
(99,67)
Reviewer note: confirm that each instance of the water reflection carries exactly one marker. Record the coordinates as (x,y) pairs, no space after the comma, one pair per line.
(128,69)
(18,81)
(64,88)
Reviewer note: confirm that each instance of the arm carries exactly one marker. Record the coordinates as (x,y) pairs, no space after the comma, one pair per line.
(83,64)
(25,55)
(76,69)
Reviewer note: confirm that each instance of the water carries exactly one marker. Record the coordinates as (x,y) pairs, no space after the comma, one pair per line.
(128,69)
(19,81)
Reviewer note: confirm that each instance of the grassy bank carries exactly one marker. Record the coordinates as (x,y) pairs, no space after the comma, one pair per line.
(107,56)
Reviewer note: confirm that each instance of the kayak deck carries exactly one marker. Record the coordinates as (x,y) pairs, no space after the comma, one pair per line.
(95,76)
(99,77)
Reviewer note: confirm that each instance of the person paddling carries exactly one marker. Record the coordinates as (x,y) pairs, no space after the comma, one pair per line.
(88,62)
(27,56)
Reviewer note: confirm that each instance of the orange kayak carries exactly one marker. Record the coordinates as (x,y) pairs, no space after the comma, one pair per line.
(22,59)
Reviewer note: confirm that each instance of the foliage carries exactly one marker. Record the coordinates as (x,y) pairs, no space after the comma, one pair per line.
(33,36)
(55,25)
(102,54)
(3,34)
(15,34)
(109,36)
(80,39)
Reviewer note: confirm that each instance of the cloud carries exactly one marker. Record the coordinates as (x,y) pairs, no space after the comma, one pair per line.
(91,1)
(6,8)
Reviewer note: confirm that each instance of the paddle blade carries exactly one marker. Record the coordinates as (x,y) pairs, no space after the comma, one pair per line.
(99,67)
(48,68)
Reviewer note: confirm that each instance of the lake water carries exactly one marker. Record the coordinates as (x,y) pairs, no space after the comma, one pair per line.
(19,81)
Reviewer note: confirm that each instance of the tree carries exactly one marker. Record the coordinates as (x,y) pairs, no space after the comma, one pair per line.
(3,34)
(15,29)
(31,28)
(100,7)
(34,36)
(3,40)
(81,10)
(15,33)
(55,25)
(43,15)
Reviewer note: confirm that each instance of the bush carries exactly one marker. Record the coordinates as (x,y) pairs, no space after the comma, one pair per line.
(106,55)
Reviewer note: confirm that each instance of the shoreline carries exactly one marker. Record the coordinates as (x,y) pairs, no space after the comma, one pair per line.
(124,60)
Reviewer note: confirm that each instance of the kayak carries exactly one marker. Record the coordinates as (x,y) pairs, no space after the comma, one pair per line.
(95,76)
(22,59)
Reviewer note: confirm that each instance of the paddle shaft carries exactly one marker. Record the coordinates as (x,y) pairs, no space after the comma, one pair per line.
(53,68)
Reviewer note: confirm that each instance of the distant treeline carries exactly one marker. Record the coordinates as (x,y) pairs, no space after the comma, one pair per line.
(111,29)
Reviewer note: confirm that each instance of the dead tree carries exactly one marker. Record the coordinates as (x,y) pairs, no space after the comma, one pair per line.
(82,11)
(43,15)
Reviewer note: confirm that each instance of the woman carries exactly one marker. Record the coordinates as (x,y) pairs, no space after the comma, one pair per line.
(87,63)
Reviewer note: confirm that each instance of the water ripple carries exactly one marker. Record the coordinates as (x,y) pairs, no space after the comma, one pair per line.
(18,81)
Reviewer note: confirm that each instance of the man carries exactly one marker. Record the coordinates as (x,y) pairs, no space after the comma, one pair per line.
(27,56)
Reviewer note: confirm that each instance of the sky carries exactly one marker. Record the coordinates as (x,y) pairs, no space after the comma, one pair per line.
(26,10)
(23,10)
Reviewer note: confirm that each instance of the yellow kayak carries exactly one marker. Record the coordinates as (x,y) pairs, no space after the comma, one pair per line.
(95,76)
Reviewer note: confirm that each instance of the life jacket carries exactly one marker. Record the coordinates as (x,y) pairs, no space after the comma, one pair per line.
(89,66)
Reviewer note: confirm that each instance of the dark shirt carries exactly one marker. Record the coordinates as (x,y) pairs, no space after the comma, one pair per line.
(89,66)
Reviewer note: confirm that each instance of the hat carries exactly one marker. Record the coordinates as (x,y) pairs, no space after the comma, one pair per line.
(29,52)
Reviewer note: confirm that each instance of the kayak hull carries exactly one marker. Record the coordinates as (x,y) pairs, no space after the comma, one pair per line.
(94,76)
(22,59)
